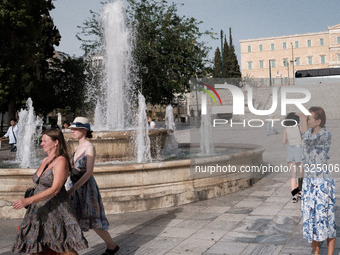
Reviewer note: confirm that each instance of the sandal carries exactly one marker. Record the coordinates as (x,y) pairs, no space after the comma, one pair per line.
(295,199)
(111,252)
(295,191)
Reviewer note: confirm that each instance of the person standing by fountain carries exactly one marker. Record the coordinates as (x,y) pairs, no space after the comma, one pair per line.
(12,133)
(84,192)
(49,225)
(318,188)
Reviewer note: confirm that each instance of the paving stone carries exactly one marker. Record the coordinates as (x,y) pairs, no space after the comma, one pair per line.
(227,248)
(260,249)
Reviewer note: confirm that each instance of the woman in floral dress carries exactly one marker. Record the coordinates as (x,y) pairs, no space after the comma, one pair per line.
(85,196)
(318,190)
(49,225)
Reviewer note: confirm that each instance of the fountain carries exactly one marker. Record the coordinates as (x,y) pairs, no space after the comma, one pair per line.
(114,110)
(206,147)
(128,186)
(29,130)
(142,142)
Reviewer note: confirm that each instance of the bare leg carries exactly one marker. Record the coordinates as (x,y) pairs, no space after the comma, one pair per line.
(107,238)
(316,247)
(293,182)
(330,245)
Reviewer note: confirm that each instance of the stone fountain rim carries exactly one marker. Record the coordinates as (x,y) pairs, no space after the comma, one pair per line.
(118,134)
(251,149)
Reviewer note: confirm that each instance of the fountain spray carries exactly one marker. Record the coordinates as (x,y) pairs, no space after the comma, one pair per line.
(29,131)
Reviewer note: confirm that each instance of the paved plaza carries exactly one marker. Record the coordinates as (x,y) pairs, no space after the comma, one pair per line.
(257,220)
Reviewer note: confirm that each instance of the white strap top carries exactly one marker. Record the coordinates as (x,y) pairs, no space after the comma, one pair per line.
(294,136)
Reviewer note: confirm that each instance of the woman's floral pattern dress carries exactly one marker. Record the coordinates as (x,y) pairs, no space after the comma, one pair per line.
(49,223)
(87,201)
(318,190)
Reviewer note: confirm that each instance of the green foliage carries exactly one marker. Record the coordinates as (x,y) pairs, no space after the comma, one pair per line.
(168,46)
(91,35)
(234,70)
(226,59)
(71,88)
(27,37)
(231,68)
(217,71)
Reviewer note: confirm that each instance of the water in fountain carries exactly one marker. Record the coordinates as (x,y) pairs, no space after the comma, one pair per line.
(114,109)
(206,147)
(142,141)
(171,145)
(169,118)
(29,130)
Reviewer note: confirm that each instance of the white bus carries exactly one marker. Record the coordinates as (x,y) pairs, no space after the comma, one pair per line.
(317,76)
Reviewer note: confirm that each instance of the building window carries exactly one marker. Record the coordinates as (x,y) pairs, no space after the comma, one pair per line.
(297,61)
(250,65)
(261,64)
(285,62)
(249,48)
(338,57)
(309,43)
(272,62)
(323,59)
(284,45)
(338,40)
(310,60)
(296,44)
(272,46)
(322,42)
(260,47)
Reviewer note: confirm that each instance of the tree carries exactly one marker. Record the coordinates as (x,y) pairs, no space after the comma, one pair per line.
(71,89)
(27,35)
(226,59)
(168,45)
(217,70)
(234,70)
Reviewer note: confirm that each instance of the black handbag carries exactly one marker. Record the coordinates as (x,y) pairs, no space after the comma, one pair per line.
(75,175)
(30,191)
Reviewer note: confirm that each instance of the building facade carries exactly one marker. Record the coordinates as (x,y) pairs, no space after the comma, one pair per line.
(280,57)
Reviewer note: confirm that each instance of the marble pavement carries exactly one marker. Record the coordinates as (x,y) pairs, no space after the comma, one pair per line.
(258,220)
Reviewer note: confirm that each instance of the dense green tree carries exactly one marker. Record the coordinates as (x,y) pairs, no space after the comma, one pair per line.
(234,70)
(27,37)
(226,59)
(168,45)
(71,88)
(217,70)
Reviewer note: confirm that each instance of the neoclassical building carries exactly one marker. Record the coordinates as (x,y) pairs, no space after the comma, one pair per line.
(280,57)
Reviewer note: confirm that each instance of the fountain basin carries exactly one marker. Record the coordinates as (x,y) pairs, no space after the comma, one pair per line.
(140,187)
(119,145)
